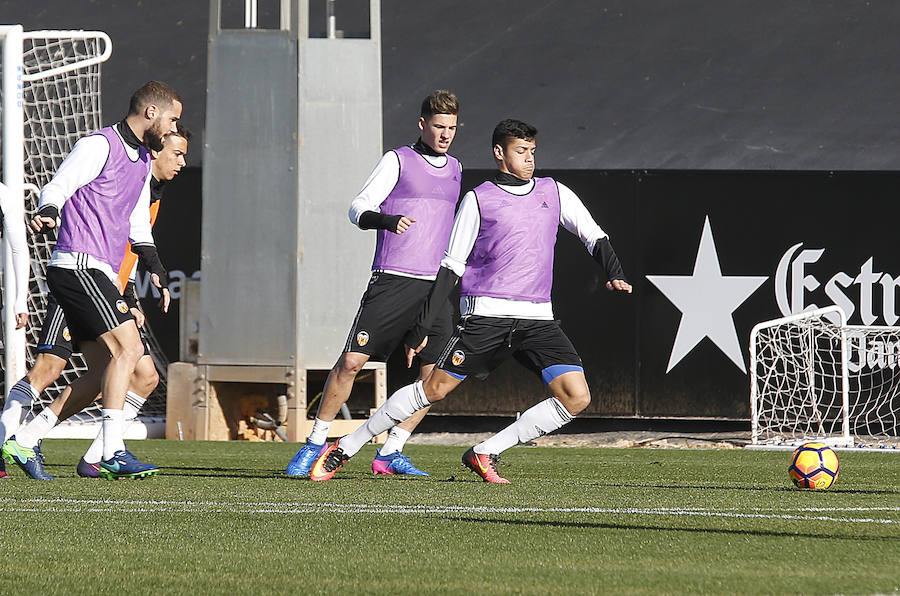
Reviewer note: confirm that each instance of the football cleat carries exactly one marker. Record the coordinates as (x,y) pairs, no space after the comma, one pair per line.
(123,464)
(27,459)
(328,463)
(303,460)
(395,463)
(485,465)
(86,470)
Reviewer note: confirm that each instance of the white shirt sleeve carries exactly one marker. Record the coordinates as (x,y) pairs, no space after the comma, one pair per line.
(83,164)
(463,234)
(381,182)
(141,232)
(575,217)
(14,233)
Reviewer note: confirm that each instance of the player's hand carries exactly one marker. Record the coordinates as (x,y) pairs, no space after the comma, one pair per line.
(21,319)
(618,285)
(404,224)
(165,299)
(40,224)
(411,353)
(139,317)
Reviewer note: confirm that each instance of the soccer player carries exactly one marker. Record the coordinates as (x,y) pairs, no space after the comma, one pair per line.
(501,250)
(14,233)
(410,198)
(55,347)
(102,192)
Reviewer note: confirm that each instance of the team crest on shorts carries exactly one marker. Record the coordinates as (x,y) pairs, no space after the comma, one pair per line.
(66,335)
(458,357)
(362,338)
(123,308)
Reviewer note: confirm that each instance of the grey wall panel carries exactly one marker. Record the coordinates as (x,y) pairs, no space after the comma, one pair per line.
(340,143)
(249,192)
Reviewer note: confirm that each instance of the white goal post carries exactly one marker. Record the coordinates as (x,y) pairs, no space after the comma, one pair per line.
(814,377)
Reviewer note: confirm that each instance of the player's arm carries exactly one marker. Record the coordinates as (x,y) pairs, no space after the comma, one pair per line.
(14,233)
(142,244)
(466,224)
(81,166)
(365,209)
(575,217)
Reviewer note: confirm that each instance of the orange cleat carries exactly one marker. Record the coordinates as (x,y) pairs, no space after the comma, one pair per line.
(328,463)
(485,465)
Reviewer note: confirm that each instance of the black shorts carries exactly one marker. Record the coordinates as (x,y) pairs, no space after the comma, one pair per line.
(481,344)
(388,310)
(55,338)
(90,301)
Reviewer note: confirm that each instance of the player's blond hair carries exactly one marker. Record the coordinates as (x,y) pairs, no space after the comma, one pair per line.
(439,102)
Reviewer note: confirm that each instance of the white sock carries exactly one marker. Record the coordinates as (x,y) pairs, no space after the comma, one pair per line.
(18,401)
(113,432)
(319,433)
(395,441)
(32,433)
(405,402)
(538,420)
(133,404)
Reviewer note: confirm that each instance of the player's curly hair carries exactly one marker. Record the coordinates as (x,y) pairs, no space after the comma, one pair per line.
(152,93)
(182,131)
(512,129)
(439,102)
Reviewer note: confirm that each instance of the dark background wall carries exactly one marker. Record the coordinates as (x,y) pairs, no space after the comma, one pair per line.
(739,84)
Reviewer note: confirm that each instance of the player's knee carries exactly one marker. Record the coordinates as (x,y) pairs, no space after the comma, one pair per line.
(350,364)
(577,400)
(145,380)
(45,371)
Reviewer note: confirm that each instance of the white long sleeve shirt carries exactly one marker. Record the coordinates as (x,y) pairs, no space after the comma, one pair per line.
(573,216)
(14,233)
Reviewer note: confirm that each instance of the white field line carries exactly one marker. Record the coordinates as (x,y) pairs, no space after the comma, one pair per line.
(154,506)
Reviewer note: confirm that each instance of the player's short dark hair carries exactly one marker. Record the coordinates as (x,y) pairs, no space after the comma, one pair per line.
(439,102)
(152,93)
(182,131)
(512,129)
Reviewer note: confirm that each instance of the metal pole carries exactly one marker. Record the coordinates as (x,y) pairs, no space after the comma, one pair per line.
(331,20)
(13,176)
(250,14)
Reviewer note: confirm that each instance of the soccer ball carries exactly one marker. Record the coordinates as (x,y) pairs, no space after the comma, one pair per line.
(814,465)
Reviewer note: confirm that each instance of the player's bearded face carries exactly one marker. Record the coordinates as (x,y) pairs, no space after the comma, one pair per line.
(165,122)
(438,131)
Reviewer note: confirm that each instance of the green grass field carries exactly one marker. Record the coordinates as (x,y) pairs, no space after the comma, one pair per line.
(221,519)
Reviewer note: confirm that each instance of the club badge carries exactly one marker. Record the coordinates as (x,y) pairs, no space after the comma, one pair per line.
(458,357)
(362,338)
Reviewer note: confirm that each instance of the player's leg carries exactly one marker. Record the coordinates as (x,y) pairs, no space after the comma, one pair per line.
(390,459)
(388,305)
(143,382)
(54,350)
(545,349)
(475,347)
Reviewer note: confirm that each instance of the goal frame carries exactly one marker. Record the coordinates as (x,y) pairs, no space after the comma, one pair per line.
(845,439)
(13,159)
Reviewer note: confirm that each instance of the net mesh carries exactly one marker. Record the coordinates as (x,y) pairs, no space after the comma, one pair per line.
(798,382)
(60,108)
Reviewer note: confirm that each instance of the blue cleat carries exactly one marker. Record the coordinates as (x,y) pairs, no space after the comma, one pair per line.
(303,460)
(123,464)
(27,459)
(395,463)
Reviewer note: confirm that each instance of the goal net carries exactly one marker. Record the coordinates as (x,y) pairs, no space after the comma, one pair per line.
(59,97)
(815,377)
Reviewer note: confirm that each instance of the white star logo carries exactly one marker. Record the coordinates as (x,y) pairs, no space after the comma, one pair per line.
(707,300)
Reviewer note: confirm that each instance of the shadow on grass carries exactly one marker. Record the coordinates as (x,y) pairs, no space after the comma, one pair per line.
(658,528)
